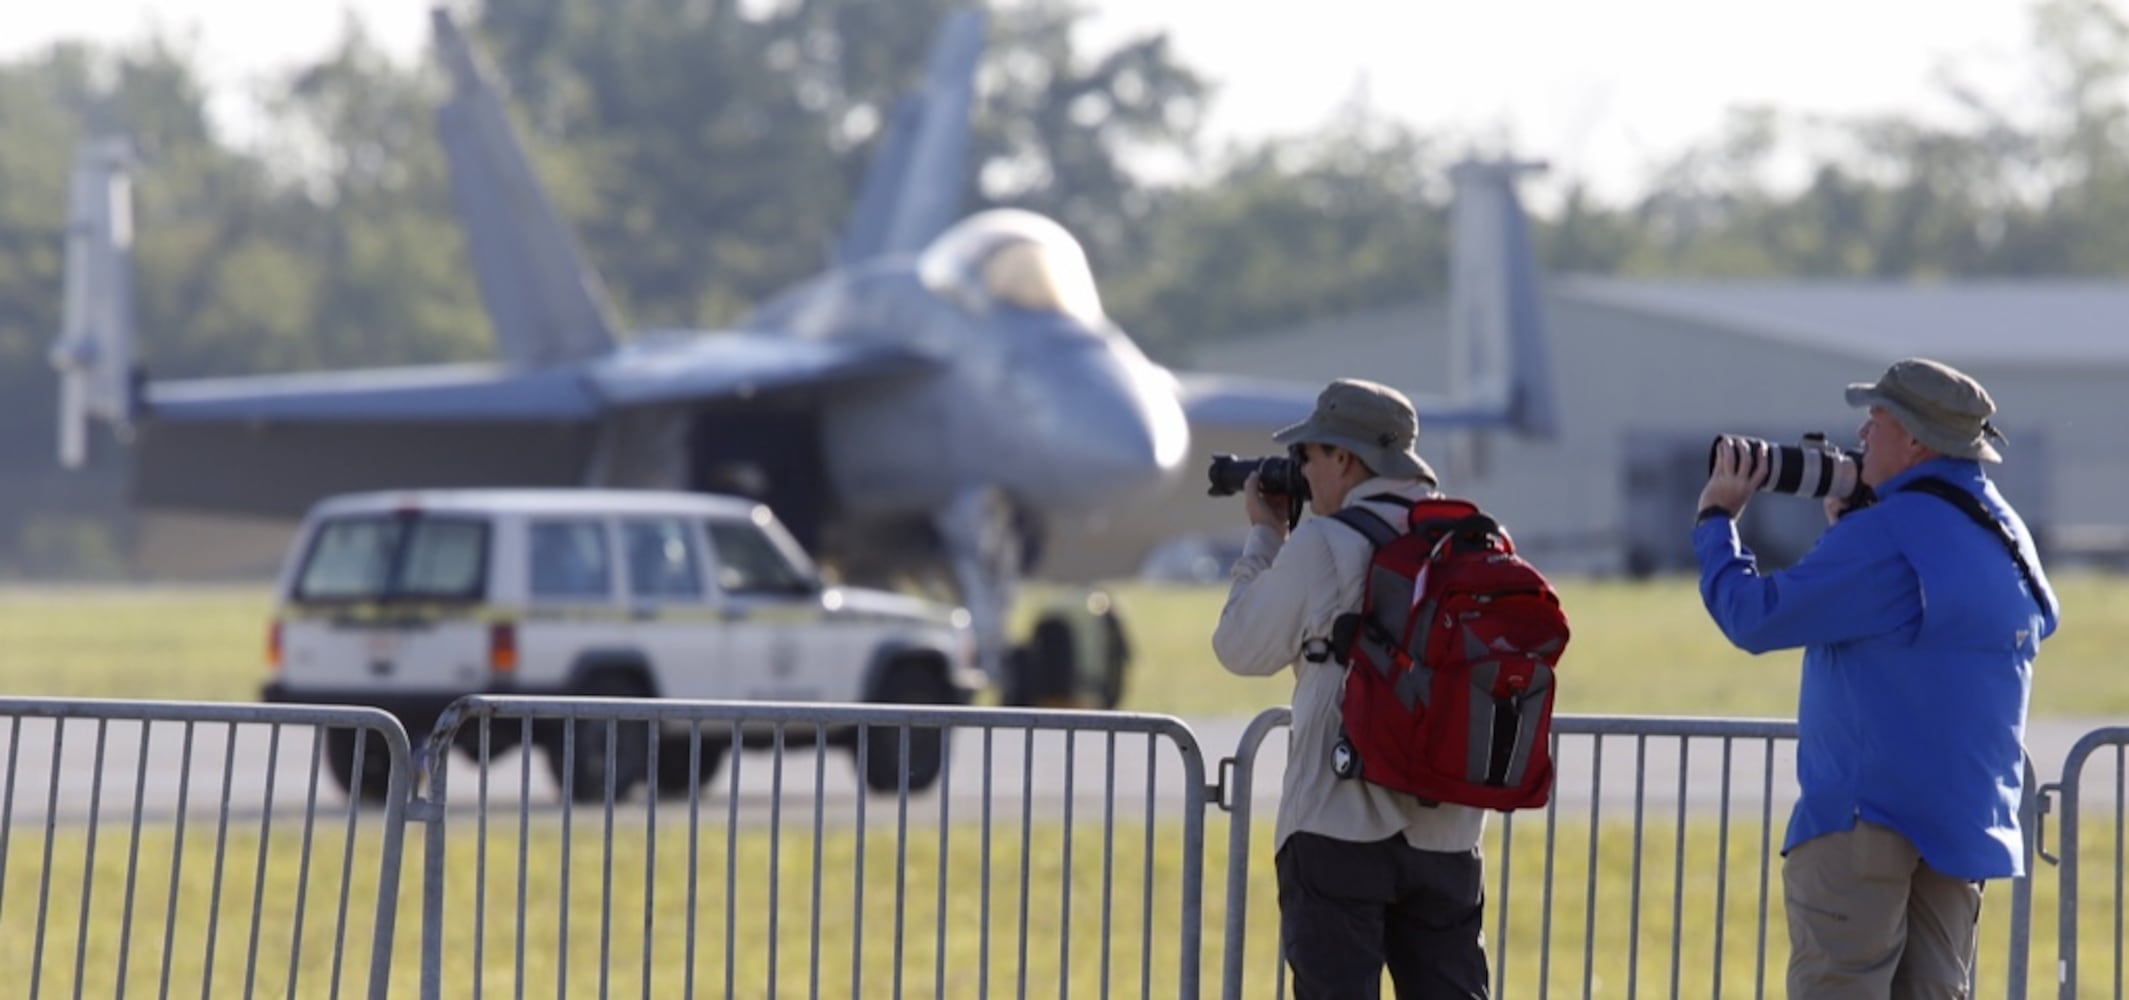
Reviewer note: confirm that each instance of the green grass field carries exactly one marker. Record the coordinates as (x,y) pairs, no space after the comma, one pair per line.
(1637,649)
(1642,649)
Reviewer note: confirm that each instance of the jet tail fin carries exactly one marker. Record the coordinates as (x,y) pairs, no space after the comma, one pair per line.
(94,352)
(912,191)
(1497,324)
(546,305)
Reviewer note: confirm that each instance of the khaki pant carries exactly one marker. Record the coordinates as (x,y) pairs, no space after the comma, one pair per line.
(1869,918)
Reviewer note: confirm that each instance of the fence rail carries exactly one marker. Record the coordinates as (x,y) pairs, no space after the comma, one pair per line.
(1637,878)
(273,908)
(1121,911)
(2071,897)
(738,849)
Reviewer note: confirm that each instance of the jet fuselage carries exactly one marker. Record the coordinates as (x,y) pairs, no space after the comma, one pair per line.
(1065,416)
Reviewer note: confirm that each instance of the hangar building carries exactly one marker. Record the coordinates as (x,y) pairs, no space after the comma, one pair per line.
(1646,372)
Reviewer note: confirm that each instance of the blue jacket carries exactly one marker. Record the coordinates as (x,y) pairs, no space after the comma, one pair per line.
(1919,636)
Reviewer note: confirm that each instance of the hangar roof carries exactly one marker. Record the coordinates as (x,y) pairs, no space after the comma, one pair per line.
(2023,321)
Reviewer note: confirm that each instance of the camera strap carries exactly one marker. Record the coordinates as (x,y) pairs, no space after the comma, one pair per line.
(1972,508)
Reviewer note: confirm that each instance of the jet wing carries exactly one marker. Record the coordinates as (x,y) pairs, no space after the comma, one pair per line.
(469,393)
(744,365)
(699,368)
(270,445)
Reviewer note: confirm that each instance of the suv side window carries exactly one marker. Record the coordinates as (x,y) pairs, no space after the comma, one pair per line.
(661,559)
(749,563)
(570,559)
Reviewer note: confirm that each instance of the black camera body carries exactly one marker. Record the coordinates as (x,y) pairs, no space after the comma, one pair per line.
(1811,468)
(1280,475)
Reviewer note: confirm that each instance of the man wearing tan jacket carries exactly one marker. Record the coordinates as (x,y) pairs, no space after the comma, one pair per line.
(1368,877)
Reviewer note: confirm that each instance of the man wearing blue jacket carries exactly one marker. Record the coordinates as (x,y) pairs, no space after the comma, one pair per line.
(1920,616)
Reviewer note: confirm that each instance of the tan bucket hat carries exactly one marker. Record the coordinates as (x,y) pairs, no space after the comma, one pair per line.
(1942,407)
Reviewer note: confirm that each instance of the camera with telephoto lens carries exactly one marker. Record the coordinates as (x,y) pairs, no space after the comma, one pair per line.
(1280,475)
(1811,468)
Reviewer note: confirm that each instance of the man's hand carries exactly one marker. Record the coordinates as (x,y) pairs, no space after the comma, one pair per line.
(1739,471)
(1267,509)
(1835,507)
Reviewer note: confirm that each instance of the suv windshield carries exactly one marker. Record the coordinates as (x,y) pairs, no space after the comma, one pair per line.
(749,563)
(395,557)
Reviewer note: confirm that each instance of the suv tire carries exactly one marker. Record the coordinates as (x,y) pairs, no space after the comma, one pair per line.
(908,684)
(376,762)
(631,750)
(673,762)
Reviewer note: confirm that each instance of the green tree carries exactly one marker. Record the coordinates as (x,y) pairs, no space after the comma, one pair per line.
(1981,191)
(1291,231)
(371,222)
(719,152)
(1059,129)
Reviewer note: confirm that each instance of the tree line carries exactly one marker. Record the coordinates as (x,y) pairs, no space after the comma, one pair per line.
(708,153)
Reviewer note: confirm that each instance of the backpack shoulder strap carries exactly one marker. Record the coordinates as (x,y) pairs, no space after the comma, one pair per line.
(1371,525)
(1379,532)
(1978,514)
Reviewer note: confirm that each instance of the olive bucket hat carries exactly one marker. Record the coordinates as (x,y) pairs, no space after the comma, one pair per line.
(1373,421)
(1943,408)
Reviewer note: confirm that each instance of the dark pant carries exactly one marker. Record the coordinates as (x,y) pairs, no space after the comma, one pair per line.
(1346,910)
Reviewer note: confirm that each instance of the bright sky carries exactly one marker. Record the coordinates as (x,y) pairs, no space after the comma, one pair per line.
(1603,89)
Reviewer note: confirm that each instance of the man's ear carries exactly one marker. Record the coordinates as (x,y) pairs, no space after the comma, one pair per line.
(1346,459)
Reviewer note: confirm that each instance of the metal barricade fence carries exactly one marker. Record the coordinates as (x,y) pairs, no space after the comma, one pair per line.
(232,876)
(2079,971)
(1678,896)
(984,880)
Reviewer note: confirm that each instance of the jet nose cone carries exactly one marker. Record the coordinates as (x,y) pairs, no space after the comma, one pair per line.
(1124,431)
(1124,438)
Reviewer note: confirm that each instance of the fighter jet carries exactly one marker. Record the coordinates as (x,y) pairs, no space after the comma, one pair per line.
(941,401)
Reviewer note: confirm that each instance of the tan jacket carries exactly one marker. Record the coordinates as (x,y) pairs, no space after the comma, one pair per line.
(1285,595)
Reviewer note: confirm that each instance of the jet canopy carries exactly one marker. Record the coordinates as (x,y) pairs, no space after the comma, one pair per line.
(1015,258)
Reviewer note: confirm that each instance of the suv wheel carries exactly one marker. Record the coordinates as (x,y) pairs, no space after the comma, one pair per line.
(907,685)
(673,762)
(376,762)
(502,738)
(585,775)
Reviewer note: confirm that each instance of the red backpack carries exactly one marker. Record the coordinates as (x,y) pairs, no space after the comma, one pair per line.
(1449,662)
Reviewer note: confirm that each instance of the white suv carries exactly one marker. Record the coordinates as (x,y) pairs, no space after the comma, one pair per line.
(407,600)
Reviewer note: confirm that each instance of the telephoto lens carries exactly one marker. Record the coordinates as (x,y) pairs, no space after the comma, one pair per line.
(1810,469)
(1278,473)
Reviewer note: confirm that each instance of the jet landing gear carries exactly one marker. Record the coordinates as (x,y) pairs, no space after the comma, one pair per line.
(1075,657)
(1076,654)
(983,547)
